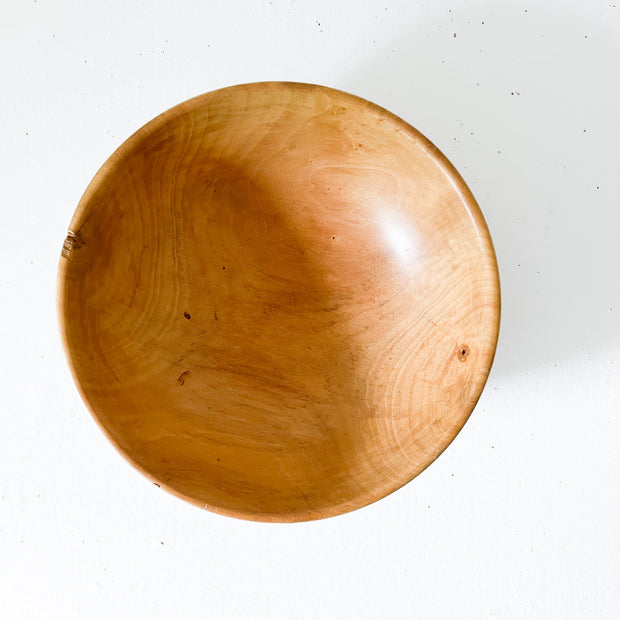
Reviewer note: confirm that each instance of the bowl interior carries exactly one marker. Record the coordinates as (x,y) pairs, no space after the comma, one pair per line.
(279,301)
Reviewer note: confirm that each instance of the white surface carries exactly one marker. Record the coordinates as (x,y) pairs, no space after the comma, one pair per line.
(519,517)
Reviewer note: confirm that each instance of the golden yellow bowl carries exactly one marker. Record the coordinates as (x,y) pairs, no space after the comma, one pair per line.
(279,301)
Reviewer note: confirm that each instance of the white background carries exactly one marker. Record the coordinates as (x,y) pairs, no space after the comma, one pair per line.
(519,518)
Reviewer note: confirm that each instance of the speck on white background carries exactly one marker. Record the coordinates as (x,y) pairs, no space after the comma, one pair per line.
(519,518)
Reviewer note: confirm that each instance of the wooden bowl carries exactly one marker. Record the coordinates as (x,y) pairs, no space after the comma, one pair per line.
(279,301)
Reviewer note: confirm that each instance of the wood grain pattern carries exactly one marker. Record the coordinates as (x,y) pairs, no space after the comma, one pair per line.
(279,301)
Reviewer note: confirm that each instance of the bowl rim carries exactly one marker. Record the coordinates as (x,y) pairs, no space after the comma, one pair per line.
(371,495)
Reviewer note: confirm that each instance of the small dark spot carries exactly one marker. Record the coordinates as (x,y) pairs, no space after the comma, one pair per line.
(181,378)
(155,483)
(224,268)
(161,542)
(187,315)
(462,352)
(454,35)
(218,460)
(333,237)
(215,315)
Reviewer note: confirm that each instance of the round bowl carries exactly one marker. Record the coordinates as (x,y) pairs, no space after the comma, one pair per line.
(279,301)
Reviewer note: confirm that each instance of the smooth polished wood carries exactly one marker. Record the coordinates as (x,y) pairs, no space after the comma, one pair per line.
(279,301)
